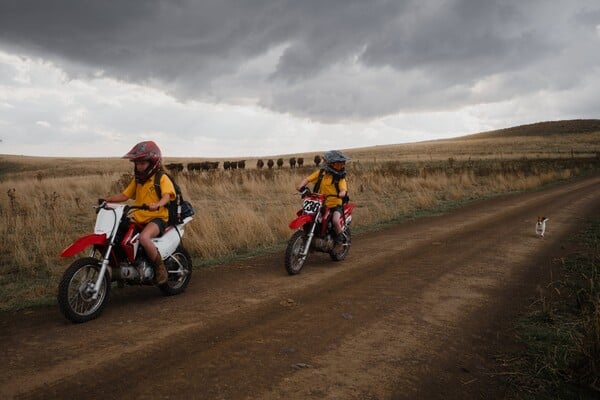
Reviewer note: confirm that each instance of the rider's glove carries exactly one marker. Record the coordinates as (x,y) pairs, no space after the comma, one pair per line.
(101,201)
(303,191)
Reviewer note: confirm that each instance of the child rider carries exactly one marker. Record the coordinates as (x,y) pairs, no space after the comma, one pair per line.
(332,177)
(148,161)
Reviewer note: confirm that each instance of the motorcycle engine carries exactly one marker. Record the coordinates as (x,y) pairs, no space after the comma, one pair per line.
(146,270)
(128,272)
(323,244)
(142,271)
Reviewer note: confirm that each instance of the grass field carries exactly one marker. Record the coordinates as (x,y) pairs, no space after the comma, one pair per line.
(48,201)
(561,330)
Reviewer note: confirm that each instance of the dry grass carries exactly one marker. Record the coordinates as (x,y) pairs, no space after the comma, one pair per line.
(561,331)
(48,202)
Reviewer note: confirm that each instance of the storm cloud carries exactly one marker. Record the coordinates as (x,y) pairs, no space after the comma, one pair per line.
(324,60)
(270,76)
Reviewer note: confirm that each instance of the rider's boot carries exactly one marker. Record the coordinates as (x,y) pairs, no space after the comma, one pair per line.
(160,271)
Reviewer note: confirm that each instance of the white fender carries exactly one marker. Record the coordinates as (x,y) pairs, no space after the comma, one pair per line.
(168,242)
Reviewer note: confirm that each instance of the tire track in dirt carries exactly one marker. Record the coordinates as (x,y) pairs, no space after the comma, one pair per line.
(372,326)
(399,351)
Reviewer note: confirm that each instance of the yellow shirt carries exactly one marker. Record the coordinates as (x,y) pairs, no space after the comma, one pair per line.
(328,187)
(145,194)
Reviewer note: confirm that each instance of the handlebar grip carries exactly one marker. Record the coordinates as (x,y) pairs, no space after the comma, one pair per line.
(304,191)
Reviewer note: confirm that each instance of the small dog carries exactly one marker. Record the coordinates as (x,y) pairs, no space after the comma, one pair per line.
(540,226)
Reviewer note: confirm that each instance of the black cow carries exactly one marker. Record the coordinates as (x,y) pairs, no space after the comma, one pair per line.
(174,167)
(317,160)
(203,166)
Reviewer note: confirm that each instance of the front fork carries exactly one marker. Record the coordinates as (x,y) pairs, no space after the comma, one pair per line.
(311,234)
(103,268)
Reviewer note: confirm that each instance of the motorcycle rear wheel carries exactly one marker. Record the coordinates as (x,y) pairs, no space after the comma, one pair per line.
(346,240)
(293,260)
(179,268)
(76,289)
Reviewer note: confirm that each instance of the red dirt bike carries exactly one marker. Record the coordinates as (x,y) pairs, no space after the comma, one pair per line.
(314,232)
(116,255)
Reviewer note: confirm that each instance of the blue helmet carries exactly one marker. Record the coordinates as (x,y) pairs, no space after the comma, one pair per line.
(335,156)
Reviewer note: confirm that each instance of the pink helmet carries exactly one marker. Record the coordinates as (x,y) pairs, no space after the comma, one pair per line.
(145,151)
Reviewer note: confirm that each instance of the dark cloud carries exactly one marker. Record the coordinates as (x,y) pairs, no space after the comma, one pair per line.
(464,39)
(338,59)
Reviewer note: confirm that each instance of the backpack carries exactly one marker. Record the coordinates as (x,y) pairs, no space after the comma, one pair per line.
(179,209)
(336,182)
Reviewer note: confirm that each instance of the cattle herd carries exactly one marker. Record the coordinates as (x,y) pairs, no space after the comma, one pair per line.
(241,164)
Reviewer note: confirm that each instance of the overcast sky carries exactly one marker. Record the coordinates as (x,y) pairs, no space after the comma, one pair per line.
(218,78)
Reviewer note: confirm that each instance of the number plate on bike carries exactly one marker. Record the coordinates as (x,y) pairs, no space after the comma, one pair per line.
(311,206)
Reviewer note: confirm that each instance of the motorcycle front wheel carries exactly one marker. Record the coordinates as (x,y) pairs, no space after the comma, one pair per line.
(179,269)
(294,261)
(76,289)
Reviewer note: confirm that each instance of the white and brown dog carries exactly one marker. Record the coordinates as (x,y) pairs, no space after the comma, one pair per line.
(540,226)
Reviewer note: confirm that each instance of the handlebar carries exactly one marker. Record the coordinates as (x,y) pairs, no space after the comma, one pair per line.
(140,207)
(103,203)
(307,193)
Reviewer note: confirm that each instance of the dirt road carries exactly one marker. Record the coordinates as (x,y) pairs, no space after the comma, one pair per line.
(419,310)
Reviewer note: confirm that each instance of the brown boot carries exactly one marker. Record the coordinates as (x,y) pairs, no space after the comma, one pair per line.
(160,271)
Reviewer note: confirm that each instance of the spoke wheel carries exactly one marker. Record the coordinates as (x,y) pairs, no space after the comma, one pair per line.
(179,269)
(294,261)
(76,290)
(346,240)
